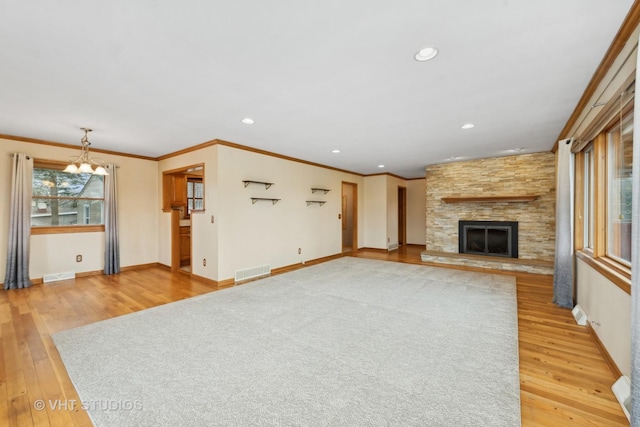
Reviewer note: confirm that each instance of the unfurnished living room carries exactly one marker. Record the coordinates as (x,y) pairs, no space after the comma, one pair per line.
(287,213)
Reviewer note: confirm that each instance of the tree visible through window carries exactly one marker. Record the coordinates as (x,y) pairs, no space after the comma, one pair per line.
(65,199)
(195,195)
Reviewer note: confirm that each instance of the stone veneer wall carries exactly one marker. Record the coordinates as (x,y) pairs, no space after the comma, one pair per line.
(526,174)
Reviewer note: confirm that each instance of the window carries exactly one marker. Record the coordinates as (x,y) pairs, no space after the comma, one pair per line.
(619,156)
(195,195)
(65,200)
(603,197)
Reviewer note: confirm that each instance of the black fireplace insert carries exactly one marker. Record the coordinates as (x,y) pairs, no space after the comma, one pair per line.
(493,238)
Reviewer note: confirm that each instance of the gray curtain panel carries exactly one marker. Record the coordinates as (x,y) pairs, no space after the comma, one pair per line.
(563,269)
(635,272)
(111,240)
(17,271)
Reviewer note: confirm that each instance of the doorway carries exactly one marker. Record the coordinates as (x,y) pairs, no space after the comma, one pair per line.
(402,216)
(183,194)
(349,216)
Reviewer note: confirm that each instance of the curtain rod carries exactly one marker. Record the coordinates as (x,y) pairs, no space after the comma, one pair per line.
(29,157)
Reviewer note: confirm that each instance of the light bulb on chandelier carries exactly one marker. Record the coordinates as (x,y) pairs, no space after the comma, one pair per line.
(83,163)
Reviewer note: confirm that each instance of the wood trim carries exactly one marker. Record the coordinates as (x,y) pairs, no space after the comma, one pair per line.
(600,195)
(40,280)
(613,367)
(378,250)
(188,150)
(282,156)
(631,21)
(196,148)
(490,199)
(62,229)
(71,146)
(616,277)
(578,214)
(175,240)
(143,266)
(609,113)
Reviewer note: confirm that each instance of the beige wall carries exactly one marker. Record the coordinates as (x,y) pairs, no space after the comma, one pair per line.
(416,208)
(375,208)
(609,312)
(250,235)
(526,174)
(603,301)
(55,253)
(204,233)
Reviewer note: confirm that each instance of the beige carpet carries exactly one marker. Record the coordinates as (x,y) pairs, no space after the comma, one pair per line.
(350,342)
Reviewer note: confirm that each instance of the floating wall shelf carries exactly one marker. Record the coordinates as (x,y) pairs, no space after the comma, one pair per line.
(256,199)
(320,202)
(490,199)
(324,190)
(266,184)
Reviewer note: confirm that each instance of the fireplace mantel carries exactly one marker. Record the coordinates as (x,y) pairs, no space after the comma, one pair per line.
(491,199)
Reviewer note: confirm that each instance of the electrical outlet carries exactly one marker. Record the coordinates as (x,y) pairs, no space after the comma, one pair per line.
(299,251)
(388,239)
(78,258)
(204,262)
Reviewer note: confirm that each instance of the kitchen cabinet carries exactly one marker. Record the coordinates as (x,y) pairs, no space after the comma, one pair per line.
(185,245)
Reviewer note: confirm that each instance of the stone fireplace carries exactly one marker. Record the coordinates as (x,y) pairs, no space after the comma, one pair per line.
(518,189)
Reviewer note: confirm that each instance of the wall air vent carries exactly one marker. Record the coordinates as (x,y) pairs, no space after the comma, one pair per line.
(55,277)
(252,273)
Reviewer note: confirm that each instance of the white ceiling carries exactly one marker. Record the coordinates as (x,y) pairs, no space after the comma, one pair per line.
(155,76)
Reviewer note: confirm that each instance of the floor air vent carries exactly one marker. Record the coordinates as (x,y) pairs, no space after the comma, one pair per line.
(54,277)
(580,315)
(622,390)
(252,273)
(392,247)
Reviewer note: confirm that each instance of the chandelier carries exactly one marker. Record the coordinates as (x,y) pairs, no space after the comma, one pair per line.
(83,163)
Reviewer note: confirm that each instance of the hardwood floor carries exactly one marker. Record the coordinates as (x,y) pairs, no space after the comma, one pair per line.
(564,380)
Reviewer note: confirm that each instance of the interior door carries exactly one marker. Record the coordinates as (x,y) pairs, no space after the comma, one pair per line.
(402,216)
(349,216)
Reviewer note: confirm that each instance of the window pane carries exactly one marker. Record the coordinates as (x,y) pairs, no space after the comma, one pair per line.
(61,198)
(189,189)
(199,190)
(199,204)
(52,182)
(52,212)
(620,146)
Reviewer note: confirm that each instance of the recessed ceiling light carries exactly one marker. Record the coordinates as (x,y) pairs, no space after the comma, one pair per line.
(335,151)
(247,121)
(380,166)
(467,126)
(426,54)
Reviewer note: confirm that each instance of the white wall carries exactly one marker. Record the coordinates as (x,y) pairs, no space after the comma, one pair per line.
(416,211)
(609,311)
(53,253)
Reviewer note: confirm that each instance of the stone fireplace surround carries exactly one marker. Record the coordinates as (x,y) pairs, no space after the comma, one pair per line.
(513,188)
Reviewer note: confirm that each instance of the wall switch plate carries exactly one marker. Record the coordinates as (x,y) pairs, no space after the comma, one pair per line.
(78,258)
